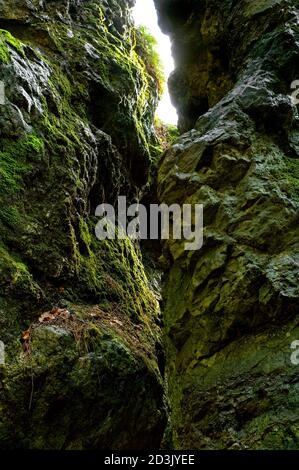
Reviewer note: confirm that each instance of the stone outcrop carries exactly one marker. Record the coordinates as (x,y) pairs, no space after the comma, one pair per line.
(85,366)
(79,319)
(231,309)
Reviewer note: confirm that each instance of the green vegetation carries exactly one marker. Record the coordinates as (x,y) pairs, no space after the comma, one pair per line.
(92,138)
(167,133)
(146,46)
(16,159)
(6,39)
(292,173)
(111,272)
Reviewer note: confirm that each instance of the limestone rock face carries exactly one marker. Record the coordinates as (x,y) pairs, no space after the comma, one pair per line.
(231,309)
(75,131)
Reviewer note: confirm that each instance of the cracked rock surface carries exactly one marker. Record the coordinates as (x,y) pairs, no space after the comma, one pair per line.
(231,309)
(79,319)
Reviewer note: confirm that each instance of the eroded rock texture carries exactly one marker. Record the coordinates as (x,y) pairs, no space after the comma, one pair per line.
(75,131)
(231,309)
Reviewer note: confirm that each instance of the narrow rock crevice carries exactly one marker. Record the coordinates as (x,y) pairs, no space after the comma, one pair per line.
(96,355)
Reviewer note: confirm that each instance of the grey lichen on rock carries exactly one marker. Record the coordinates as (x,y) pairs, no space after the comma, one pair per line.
(231,309)
(76,131)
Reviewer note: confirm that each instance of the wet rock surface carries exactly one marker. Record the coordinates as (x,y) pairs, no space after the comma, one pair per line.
(76,131)
(231,309)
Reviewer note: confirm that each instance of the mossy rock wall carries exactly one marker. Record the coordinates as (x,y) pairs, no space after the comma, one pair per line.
(76,131)
(231,309)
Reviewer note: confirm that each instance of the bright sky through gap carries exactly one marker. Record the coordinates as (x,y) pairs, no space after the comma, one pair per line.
(145,14)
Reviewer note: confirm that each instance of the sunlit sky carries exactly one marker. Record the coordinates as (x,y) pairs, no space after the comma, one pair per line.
(145,14)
